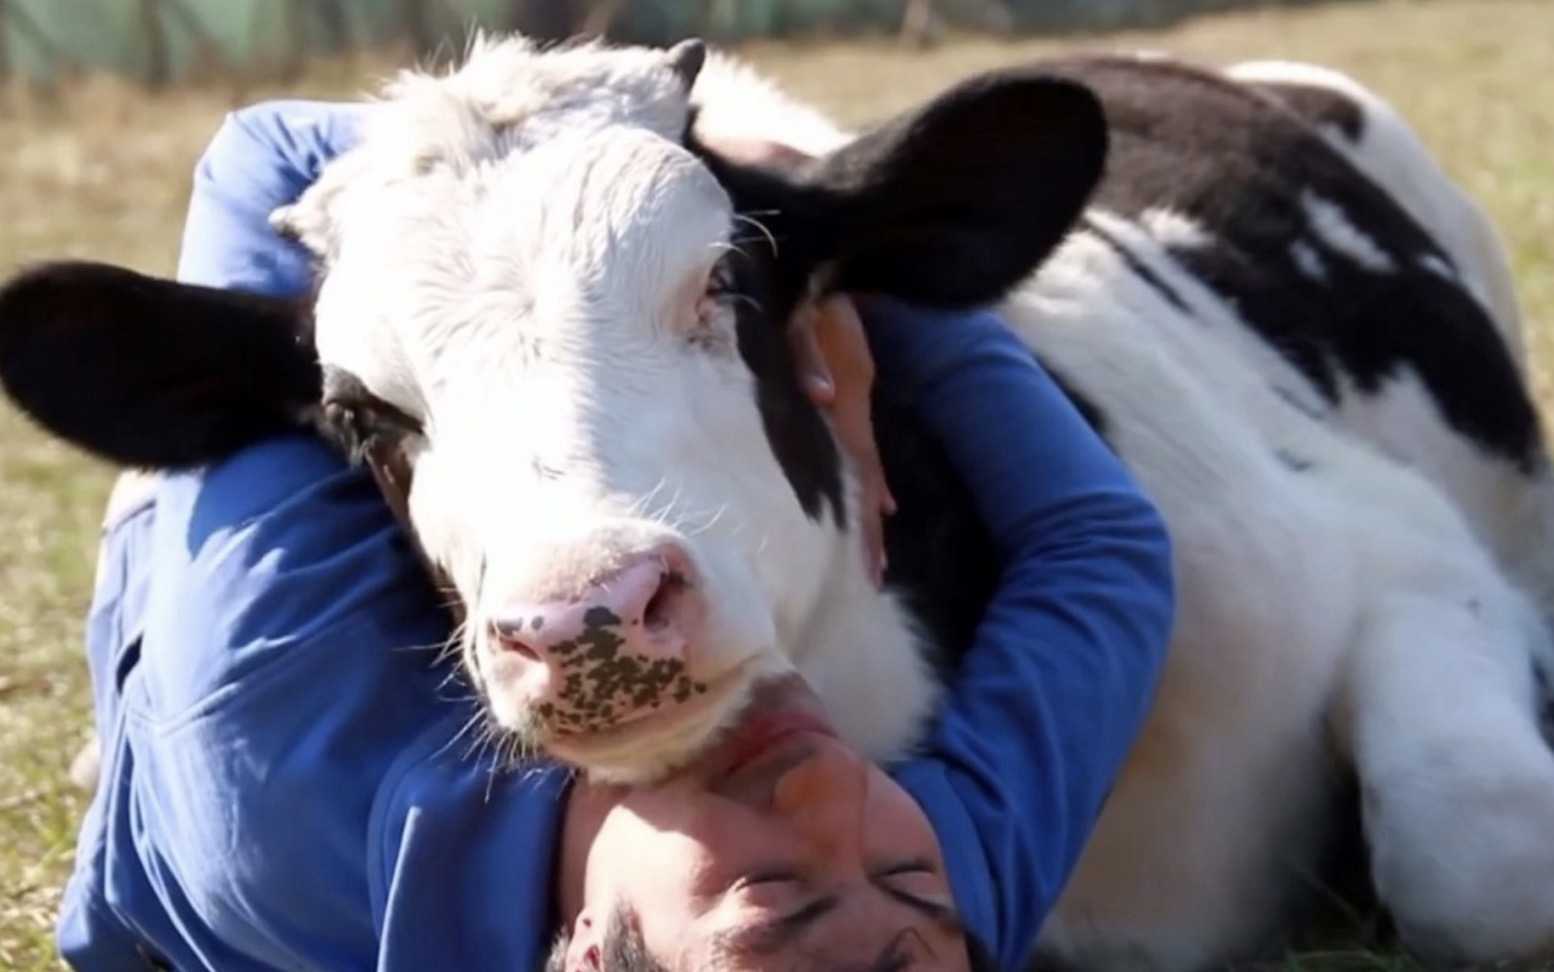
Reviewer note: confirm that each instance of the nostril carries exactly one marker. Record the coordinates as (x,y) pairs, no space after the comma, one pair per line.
(661,607)
(511,638)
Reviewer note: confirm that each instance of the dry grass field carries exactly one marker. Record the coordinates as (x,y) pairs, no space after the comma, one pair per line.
(101,170)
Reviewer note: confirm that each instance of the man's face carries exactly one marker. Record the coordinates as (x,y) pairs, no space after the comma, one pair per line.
(782,848)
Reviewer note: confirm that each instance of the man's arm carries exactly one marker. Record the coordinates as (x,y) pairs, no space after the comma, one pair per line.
(263,158)
(291,789)
(1064,663)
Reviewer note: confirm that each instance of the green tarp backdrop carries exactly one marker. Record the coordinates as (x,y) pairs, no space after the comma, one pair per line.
(162,40)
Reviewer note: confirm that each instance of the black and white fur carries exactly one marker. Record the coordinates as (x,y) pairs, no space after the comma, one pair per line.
(1297,333)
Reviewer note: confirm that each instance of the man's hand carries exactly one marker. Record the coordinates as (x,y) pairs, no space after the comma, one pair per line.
(836,371)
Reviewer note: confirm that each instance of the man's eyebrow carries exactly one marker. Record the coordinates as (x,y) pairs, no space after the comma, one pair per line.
(944,916)
(769,937)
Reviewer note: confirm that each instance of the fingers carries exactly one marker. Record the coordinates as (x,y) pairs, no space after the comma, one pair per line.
(761,152)
(809,361)
(829,341)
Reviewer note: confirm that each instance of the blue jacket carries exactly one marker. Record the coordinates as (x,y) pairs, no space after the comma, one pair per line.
(285,783)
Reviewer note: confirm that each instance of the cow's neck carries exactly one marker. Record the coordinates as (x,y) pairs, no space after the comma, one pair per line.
(863,653)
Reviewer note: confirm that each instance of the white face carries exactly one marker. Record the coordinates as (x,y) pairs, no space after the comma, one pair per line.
(535,278)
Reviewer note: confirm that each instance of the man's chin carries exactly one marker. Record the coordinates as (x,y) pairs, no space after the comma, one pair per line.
(778,709)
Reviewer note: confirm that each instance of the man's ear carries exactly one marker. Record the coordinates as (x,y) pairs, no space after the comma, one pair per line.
(949,205)
(150,372)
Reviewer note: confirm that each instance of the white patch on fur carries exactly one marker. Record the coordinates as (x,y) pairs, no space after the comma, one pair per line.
(734,101)
(1308,261)
(1329,221)
(1175,229)
(1457,783)
(1437,266)
(1511,510)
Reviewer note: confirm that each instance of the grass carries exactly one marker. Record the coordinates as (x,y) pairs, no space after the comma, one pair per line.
(101,170)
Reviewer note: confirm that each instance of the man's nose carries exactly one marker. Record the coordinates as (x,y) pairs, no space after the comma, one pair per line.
(823,797)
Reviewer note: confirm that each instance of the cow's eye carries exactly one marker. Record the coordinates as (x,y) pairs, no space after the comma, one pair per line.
(356,420)
(358,426)
(720,282)
(716,310)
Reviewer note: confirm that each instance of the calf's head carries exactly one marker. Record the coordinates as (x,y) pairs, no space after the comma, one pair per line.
(552,318)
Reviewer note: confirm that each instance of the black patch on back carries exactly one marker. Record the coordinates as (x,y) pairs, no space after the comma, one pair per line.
(1237,163)
(1320,107)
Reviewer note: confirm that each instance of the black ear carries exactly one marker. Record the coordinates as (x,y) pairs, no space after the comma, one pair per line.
(150,372)
(957,202)
(949,205)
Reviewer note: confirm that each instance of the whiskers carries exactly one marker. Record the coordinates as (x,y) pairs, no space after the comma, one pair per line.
(486,742)
(683,522)
(750,219)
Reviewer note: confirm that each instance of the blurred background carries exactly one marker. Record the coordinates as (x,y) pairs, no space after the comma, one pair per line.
(163,40)
(106,104)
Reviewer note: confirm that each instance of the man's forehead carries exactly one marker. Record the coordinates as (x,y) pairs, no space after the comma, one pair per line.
(862,923)
(825,935)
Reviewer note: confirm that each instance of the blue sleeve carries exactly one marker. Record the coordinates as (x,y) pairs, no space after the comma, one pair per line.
(1064,663)
(286,786)
(263,158)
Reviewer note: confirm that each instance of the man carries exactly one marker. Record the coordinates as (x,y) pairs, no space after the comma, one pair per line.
(287,782)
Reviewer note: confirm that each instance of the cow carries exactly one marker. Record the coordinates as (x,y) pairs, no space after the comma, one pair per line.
(550,320)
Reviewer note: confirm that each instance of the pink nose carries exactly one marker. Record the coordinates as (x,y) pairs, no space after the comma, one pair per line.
(618,647)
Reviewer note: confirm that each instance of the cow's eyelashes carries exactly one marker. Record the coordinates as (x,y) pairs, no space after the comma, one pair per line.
(720,282)
(360,427)
(358,422)
(716,310)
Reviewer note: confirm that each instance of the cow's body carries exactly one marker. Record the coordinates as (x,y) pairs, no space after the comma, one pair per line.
(1298,335)
(1275,345)
(1345,425)
(1302,339)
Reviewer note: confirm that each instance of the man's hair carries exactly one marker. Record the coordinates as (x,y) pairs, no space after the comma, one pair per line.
(625,951)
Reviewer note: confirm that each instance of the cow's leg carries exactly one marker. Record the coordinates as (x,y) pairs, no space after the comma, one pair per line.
(1214,829)
(1441,711)
(1200,855)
